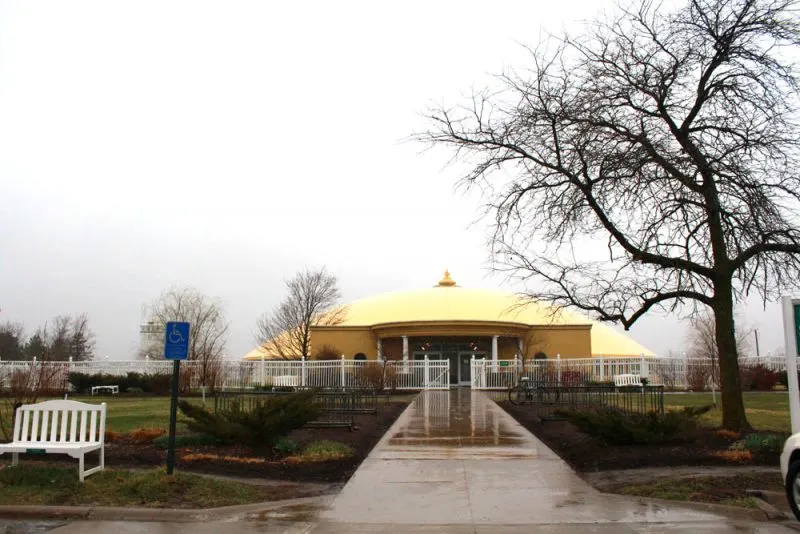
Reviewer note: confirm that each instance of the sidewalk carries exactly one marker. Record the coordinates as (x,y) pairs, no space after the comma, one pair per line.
(455,458)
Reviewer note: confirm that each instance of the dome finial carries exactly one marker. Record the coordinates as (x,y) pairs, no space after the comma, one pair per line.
(446,281)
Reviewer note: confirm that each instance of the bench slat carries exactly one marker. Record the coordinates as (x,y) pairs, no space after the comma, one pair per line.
(54,426)
(64,416)
(45,428)
(73,426)
(93,427)
(82,435)
(26,419)
(35,427)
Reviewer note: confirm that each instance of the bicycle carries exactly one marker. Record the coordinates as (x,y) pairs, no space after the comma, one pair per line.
(527,391)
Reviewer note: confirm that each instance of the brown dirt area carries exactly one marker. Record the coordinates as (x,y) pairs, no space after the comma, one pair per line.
(588,454)
(251,464)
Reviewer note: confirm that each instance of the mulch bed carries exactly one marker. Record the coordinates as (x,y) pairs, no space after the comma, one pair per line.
(586,453)
(369,429)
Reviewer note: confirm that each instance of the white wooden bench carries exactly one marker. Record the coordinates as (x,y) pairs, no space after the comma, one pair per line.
(285,381)
(59,427)
(114,390)
(627,380)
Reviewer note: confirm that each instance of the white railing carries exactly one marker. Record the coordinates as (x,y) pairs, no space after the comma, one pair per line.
(338,374)
(678,373)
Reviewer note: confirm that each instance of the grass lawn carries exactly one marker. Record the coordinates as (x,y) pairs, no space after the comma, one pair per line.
(765,410)
(152,488)
(124,414)
(721,490)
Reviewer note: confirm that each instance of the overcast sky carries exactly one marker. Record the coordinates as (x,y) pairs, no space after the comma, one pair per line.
(226,145)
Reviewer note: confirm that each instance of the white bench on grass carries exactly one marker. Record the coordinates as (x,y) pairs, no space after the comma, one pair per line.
(59,427)
(114,390)
(286,381)
(627,380)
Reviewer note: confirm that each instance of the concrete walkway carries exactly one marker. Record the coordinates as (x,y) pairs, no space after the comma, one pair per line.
(455,462)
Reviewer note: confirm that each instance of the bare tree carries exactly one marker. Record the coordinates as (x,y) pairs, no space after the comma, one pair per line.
(670,134)
(310,300)
(64,337)
(209,328)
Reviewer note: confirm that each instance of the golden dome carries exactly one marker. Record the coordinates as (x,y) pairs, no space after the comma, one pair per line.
(448,303)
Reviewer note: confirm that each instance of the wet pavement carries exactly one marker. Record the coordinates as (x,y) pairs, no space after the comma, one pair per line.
(456,460)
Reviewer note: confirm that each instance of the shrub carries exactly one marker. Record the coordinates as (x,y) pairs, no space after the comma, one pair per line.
(111,436)
(758,378)
(158,384)
(146,435)
(286,446)
(322,451)
(327,352)
(261,425)
(761,443)
(618,428)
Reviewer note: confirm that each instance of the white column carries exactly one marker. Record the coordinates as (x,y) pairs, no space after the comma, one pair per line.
(405,348)
(521,349)
(303,371)
(343,377)
(426,377)
(380,350)
(494,351)
(790,346)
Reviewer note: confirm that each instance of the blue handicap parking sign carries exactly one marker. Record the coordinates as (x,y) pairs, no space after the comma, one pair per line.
(176,341)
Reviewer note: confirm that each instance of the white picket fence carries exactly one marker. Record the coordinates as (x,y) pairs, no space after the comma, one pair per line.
(674,373)
(340,374)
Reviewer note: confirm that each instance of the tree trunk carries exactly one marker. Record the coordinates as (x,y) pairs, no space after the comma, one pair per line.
(733,414)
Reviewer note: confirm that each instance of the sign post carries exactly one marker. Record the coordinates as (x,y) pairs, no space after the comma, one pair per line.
(176,348)
(791,326)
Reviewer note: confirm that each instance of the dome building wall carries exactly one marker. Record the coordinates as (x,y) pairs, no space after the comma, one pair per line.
(447,321)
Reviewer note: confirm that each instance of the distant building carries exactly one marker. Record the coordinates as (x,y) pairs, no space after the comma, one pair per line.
(454,323)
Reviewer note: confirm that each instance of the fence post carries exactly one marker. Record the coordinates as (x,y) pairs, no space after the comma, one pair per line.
(602,370)
(426,378)
(263,372)
(303,371)
(342,372)
(558,367)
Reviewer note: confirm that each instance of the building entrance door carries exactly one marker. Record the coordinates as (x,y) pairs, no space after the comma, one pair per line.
(465,368)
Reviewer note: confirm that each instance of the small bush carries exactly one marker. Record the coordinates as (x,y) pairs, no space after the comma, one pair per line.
(158,384)
(763,443)
(327,352)
(111,436)
(184,441)
(261,426)
(146,435)
(758,378)
(618,428)
(286,446)
(322,451)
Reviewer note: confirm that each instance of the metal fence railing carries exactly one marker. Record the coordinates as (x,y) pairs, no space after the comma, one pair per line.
(672,373)
(626,399)
(338,374)
(338,408)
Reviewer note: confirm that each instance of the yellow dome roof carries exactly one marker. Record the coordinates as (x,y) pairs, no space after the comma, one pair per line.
(448,302)
(451,303)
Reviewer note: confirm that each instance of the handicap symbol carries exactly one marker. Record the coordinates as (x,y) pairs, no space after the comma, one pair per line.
(175,336)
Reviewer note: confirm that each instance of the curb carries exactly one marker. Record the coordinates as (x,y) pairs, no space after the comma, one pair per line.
(147,514)
(734,512)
